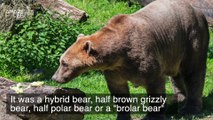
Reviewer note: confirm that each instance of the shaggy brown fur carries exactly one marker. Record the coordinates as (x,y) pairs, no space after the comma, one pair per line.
(166,38)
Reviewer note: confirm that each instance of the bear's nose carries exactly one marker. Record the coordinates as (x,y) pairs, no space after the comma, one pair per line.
(54,77)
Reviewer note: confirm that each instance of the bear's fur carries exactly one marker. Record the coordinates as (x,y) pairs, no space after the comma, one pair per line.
(166,38)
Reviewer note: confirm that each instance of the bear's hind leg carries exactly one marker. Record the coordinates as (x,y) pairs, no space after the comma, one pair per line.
(179,88)
(194,70)
(194,85)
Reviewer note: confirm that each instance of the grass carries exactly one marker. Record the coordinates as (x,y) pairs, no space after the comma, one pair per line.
(101,11)
(93,82)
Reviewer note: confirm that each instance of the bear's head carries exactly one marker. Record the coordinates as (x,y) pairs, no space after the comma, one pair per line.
(78,58)
(103,50)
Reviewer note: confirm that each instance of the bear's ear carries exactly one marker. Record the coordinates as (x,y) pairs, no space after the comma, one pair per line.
(88,47)
(80,35)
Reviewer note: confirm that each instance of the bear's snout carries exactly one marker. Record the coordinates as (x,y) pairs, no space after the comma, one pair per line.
(62,76)
(56,78)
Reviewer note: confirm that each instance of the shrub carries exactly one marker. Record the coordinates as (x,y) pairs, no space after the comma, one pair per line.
(210,50)
(37,43)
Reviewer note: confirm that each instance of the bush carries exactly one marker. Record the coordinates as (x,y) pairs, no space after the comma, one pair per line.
(210,50)
(37,43)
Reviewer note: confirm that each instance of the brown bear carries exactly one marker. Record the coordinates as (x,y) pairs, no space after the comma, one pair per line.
(165,38)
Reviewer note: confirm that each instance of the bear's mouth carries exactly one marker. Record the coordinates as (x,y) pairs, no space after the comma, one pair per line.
(61,81)
(67,79)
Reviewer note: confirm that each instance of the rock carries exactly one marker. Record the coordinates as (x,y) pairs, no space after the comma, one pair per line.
(206,6)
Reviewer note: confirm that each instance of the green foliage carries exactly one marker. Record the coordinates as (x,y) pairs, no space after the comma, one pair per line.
(210,50)
(100,11)
(37,43)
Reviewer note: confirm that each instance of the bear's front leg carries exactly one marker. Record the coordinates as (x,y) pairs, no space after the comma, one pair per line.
(118,87)
(156,89)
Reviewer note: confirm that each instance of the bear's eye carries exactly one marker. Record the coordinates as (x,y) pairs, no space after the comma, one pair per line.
(64,64)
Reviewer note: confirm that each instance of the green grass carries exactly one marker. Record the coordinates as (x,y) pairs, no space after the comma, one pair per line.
(93,82)
(101,11)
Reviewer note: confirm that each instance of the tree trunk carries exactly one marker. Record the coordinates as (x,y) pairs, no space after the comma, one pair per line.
(62,7)
(5,89)
(12,11)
